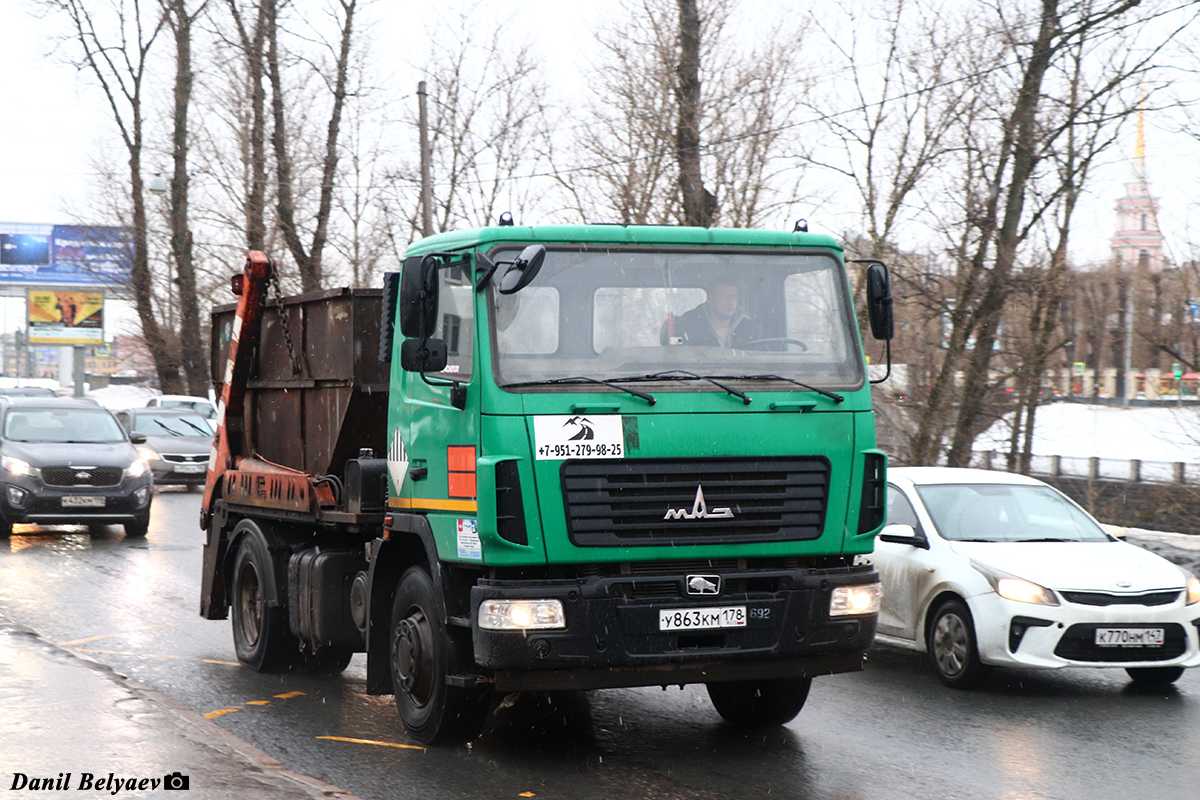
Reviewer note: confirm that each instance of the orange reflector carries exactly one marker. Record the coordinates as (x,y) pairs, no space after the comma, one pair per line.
(460,471)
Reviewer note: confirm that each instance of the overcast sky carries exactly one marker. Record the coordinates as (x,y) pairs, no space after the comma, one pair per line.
(54,121)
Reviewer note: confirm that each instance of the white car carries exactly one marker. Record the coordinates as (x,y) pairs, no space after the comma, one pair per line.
(201,405)
(983,568)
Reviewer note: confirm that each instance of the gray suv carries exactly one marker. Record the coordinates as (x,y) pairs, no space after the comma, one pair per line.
(69,462)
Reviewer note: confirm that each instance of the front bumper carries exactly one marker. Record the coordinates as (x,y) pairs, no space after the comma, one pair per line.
(28,500)
(172,473)
(612,636)
(1050,637)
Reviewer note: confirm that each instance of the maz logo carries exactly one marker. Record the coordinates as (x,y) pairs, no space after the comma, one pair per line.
(699,510)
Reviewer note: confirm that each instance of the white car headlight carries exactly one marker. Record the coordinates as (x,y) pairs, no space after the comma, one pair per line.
(1193,588)
(16,466)
(1010,587)
(148,453)
(521,615)
(849,601)
(137,469)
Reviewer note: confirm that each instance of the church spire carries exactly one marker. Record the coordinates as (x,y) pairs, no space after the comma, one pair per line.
(1139,153)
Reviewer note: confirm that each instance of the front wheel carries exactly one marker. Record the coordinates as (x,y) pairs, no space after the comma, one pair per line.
(953,651)
(760,703)
(261,636)
(139,528)
(1154,676)
(423,653)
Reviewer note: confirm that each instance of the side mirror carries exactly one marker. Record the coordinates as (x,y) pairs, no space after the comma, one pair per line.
(879,302)
(518,274)
(137,438)
(423,355)
(903,534)
(419,296)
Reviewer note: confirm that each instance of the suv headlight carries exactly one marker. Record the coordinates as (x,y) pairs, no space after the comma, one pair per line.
(1010,587)
(148,453)
(137,469)
(16,466)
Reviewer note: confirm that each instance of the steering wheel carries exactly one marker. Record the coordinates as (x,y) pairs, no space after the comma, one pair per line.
(784,339)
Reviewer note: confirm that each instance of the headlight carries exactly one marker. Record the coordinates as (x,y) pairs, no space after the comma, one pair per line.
(137,469)
(1010,587)
(148,453)
(16,466)
(1193,588)
(521,615)
(849,601)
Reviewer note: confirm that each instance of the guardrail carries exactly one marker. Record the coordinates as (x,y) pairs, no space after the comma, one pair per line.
(1177,473)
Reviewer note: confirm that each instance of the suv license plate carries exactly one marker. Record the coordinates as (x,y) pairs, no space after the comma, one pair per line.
(680,619)
(83,501)
(1129,637)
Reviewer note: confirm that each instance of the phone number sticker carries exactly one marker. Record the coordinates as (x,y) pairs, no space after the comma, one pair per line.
(578,436)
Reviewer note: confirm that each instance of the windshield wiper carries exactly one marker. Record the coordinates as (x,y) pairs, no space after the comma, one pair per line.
(683,374)
(837,398)
(1048,539)
(581,379)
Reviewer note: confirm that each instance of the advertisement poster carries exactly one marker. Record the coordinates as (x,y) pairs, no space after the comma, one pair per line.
(79,255)
(66,317)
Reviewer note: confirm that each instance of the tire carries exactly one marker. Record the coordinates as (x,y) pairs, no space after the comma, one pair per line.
(5,529)
(261,636)
(1154,676)
(138,529)
(759,703)
(422,653)
(952,647)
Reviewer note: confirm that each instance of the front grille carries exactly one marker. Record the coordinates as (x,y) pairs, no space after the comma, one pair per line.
(1104,599)
(694,501)
(191,459)
(81,476)
(1079,644)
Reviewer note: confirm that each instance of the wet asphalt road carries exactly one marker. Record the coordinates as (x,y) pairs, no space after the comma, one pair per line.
(892,731)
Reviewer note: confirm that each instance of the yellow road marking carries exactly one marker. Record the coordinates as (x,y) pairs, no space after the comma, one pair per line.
(289,695)
(221,712)
(148,655)
(258,702)
(372,741)
(122,633)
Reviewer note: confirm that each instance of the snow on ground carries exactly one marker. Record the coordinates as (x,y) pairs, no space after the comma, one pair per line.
(1074,430)
(118,397)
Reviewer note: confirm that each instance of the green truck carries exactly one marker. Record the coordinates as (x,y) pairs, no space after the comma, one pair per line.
(553,458)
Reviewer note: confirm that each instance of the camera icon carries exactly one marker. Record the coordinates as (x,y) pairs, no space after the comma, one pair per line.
(177,781)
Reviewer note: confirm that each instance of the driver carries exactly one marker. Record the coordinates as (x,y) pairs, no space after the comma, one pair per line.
(717,322)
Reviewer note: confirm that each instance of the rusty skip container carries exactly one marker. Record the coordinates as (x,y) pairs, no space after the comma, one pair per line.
(316,410)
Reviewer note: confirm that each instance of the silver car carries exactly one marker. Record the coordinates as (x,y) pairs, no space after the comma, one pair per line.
(178,443)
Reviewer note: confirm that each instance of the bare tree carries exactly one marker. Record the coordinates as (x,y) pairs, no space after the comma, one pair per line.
(112,42)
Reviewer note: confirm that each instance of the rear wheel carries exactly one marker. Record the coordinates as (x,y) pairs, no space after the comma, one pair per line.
(953,651)
(423,653)
(327,660)
(760,703)
(261,635)
(1154,676)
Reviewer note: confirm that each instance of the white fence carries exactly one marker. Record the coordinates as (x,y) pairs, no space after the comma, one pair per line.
(1102,469)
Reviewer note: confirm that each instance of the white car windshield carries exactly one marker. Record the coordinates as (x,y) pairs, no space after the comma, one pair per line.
(628,315)
(989,512)
(153,424)
(74,425)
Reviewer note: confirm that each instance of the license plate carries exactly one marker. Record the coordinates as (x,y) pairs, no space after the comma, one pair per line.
(83,501)
(191,468)
(679,619)
(1129,637)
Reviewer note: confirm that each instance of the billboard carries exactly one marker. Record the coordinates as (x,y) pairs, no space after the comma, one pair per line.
(65,317)
(75,255)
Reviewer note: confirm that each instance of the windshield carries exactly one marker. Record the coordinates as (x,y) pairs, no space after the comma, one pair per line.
(621,314)
(1007,513)
(173,425)
(62,425)
(201,407)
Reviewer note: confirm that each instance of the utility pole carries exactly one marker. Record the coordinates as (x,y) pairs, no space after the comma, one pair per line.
(426,157)
(1130,379)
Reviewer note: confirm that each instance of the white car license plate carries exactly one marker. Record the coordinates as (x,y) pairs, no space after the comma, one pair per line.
(679,619)
(1129,637)
(83,501)
(192,468)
